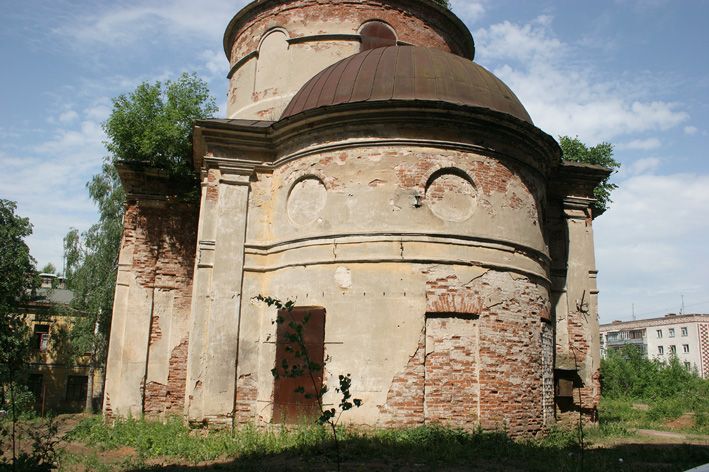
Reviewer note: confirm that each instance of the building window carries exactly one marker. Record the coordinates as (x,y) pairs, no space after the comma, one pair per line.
(687,365)
(684,331)
(671,332)
(673,349)
(659,334)
(685,348)
(41,337)
(660,350)
(76,386)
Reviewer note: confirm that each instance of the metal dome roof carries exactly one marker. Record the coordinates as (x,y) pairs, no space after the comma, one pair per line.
(407,73)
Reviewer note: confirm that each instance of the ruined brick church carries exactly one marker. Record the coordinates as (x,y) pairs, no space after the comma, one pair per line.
(372,172)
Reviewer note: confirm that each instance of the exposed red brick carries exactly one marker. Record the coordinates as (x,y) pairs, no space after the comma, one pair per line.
(246,395)
(413,26)
(405,400)
(155,331)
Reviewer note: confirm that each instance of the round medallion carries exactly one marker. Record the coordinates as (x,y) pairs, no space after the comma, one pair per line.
(451,197)
(306,200)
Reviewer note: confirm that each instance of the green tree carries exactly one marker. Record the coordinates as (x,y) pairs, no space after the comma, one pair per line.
(18,279)
(152,125)
(445,3)
(48,269)
(602,154)
(91,266)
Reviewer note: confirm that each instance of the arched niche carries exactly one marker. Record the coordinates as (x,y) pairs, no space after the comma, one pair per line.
(273,63)
(376,34)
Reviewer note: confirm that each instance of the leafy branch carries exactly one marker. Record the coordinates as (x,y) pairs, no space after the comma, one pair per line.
(307,368)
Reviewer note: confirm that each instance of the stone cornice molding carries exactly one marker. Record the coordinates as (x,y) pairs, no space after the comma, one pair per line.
(147,183)
(437,124)
(575,179)
(233,171)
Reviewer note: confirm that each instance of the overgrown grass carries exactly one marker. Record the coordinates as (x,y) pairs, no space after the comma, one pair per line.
(625,414)
(310,448)
(643,393)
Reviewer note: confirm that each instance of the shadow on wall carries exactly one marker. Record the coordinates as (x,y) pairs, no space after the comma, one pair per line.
(443,449)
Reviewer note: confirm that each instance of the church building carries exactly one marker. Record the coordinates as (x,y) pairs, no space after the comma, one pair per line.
(397,191)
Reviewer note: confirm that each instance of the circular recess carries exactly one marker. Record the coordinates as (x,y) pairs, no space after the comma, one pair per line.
(451,197)
(306,200)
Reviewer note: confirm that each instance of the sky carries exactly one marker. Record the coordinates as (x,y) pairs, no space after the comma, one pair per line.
(630,72)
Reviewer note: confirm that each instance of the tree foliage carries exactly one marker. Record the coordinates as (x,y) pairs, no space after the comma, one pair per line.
(628,373)
(17,281)
(444,3)
(153,124)
(602,154)
(91,265)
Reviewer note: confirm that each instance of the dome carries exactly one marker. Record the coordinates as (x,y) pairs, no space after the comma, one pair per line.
(407,73)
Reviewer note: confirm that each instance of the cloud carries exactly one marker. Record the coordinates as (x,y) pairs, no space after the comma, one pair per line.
(48,181)
(68,116)
(690,130)
(123,24)
(529,43)
(565,96)
(641,144)
(651,242)
(644,166)
(215,62)
(468,10)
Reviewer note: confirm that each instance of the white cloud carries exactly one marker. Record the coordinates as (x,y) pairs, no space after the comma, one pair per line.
(644,166)
(123,23)
(564,96)
(651,244)
(528,43)
(469,10)
(690,130)
(215,62)
(68,116)
(48,181)
(641,144)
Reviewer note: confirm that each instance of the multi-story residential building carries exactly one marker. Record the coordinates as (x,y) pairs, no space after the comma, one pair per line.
(684,336)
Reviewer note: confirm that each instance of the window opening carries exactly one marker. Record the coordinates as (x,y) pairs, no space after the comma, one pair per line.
(41,337)
(76,387)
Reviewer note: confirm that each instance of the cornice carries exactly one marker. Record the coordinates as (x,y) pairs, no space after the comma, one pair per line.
(380,123)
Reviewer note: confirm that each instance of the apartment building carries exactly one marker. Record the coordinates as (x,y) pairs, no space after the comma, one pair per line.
(684,336)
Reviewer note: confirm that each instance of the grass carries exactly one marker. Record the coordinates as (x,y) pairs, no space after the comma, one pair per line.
(426,448)
(620,414)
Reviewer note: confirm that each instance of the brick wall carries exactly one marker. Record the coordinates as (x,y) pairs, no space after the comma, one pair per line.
(410,27)
(492,368)
(163,238)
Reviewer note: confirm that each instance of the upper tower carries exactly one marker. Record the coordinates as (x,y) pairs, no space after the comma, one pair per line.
(275,46)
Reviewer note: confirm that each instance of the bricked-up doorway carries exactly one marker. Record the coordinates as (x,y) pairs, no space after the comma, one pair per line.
(288,405)
(451,389)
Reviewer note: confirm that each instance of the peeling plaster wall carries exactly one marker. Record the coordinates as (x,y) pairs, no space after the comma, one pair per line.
(147,353)
(279,47)
(417,243)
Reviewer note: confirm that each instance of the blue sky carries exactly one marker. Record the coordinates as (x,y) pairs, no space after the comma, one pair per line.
(631,72)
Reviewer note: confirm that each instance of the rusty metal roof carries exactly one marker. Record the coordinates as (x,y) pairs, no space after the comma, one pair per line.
(407,73)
